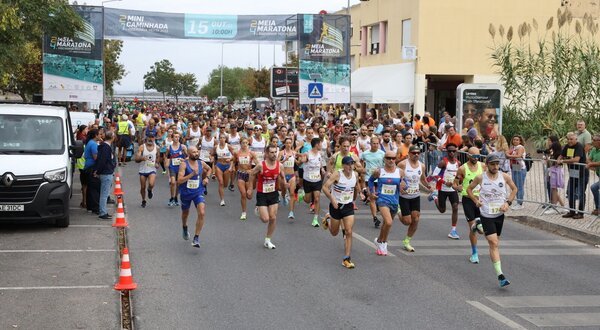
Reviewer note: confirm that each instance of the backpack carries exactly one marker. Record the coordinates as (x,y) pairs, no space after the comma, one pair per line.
(528,161)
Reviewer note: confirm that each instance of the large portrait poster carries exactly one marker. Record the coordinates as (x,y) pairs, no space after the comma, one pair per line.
(73,68)
(324,57)
(481,103)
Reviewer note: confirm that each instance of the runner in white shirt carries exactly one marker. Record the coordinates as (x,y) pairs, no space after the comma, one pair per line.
(312,177)
(147,157)
(445,173)
(224,165)
(234,141)
(258,144)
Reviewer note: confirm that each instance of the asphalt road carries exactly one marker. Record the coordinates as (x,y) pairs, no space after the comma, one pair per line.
(233,282)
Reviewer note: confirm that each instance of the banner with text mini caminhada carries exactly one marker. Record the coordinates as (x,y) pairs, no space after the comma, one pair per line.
(324,57)
(73,69)
(145,24)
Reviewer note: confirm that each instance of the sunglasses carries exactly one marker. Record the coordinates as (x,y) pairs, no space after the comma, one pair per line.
(354,134)
(390,158)
(449,151)
(475,156)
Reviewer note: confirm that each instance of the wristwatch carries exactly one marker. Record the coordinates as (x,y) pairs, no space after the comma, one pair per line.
(509,202)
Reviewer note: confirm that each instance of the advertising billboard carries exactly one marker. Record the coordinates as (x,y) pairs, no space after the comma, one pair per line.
(284,82)
(483,104)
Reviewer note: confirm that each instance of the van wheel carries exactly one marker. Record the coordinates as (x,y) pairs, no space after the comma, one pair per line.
(62,222)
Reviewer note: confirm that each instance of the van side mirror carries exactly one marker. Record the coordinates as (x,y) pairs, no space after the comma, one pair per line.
(76,149)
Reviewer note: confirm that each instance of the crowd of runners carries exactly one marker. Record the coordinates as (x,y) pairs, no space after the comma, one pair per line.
(279,158)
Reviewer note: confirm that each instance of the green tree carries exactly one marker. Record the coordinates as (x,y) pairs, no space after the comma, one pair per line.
(551,76)
(263,83)
(113,70)
(22,26)
(160,77)
(183,84)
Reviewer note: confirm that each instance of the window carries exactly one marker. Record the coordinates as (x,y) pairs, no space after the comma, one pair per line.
(374,39)
(406,32)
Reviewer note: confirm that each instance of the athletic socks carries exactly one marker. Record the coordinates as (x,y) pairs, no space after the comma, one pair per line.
(473,249)
(498,268)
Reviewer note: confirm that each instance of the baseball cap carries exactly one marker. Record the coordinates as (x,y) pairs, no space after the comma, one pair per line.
(492,159)
(414,148)
(124,117)
(348,160)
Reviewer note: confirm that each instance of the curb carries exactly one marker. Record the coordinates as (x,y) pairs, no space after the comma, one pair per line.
(561,230)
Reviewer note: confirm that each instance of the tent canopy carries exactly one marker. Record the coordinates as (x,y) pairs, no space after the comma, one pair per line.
(384,84)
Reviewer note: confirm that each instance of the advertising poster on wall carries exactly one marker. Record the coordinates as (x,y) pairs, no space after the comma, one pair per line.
(323,42)
(481,103)
(284,82)
(73,69)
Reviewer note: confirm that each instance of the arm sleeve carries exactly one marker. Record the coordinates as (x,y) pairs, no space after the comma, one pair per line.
(371,183)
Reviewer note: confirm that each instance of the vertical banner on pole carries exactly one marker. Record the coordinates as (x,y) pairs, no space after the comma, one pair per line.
(73,67)
(324,51)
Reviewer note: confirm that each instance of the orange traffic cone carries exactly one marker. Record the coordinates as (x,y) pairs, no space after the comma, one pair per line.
(118,189)
(125,278)
(120,219)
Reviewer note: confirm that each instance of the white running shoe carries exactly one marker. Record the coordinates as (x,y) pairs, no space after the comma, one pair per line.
(269,245)
(243,216)
(222,203)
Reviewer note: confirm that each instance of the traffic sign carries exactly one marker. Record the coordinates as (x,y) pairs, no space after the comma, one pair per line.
(315,91)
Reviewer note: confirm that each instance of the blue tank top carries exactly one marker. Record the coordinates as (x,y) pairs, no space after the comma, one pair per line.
(193,186)
(388,187)
(175,154)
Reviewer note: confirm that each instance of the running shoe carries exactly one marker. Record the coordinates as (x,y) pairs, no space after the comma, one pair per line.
(291,215)
(474,258)
(503,281)
(222,203)
(176,202)
(171,203)
(453,234)
(315,222)
(325,222)
(286,200)
(384,246)
(312,207)
(380,251)
(150,194)
(433,196)
(164,172)
(186,234)
(347,263)
(477,227)
(269,245)
(143,204)
(376,222)
(300,195)
(196,242)
(243,216)
(230,187)
(407,246)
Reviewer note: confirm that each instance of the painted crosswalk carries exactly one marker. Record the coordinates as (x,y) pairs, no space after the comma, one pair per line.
(578,314)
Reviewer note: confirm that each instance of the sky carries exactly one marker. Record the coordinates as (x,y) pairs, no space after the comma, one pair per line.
(201,57)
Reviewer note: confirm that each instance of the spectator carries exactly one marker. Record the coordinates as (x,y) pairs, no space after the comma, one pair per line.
(516,153)
(500,148)
(556,178)
(453,137)
(104,169)
(93,183)
(594,164)
(573,154)
(583,136)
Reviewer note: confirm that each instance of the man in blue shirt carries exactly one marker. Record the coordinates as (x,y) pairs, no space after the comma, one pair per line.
(93,182)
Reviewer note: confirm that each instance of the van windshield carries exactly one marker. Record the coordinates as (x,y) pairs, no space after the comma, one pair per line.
(31,135)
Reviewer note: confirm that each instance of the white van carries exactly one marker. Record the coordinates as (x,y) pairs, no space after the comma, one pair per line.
(37,155)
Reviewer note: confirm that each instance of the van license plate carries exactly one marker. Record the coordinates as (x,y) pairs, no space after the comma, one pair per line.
(12,208)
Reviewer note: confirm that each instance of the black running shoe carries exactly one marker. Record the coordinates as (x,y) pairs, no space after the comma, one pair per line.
(144,204)
(150,194)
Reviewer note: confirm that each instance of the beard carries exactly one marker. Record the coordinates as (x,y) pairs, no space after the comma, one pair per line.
(193,157)
(386,141)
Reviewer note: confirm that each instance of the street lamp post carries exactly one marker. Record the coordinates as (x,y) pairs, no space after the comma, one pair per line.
(221,93)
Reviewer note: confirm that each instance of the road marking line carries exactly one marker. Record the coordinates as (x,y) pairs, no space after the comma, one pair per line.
(546,301)
(59,251)
(54,287)
(90,226)
(450,251)
(369,243)
(563,319)
(446,243)
(499,317)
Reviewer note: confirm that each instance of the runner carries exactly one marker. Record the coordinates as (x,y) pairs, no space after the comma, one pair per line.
(312,177)
(464,176)
(234,142)
(162,151)
(413,172)
(147,156)
(176,152)
(243,163)
(207,151)
(386,195)
(339,189)
(288,159)
(191,172)
(372,159)
(194,134)
(493,201)
(224,165)
(267,173)
(446,171)
(258,144)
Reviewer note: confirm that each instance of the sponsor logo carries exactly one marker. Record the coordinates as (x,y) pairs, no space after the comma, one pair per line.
(330,44)
(140,23)
(68,44)
(270,27)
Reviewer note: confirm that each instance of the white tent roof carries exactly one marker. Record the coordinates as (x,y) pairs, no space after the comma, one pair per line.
(384,84)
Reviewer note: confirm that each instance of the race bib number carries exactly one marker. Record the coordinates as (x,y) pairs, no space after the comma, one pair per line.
(150,163)
(244,160)
(449,177)
(347,196)
(289,162)
(495,208)
(268,186)
(389,189)
(176,161)
(314,175)
(574,173)
(193,184)
(412,190)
